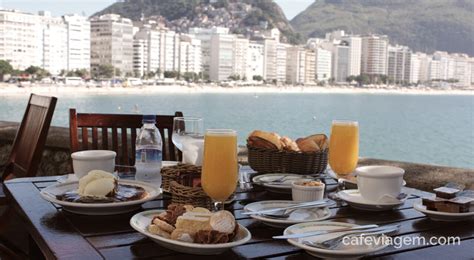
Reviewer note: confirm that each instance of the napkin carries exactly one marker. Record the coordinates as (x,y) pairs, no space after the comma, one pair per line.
(193,152)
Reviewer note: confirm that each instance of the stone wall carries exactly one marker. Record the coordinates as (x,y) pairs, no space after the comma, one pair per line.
(56,161)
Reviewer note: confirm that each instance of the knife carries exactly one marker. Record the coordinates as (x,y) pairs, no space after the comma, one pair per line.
(300,205)
(323,232)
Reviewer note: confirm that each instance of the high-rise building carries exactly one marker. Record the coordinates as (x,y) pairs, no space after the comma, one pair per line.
(19,41)
(241,46)
(146,50)
(310,67)
(374,55)
(204,35)
(399,64)
(323,64)
(255,60)
(442,66)
(112,42)
(354,44)
(78,42)
(295,65)
(424,66)
(53,40)
(281,62)
(190,54)
(340,62)
(270,59)
(462,69)
(170,43)
(222,57)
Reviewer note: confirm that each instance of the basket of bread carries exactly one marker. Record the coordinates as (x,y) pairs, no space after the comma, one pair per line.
(268,152)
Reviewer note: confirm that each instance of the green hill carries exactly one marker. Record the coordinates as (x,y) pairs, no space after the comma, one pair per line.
(241,16)
(423,25)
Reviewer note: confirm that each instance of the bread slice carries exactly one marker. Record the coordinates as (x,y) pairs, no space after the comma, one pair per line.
(194,221)
(262,139)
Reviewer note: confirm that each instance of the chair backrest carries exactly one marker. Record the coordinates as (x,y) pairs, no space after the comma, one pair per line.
(30,138)
(118,132)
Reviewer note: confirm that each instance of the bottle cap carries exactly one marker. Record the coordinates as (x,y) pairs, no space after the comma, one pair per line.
(149,119)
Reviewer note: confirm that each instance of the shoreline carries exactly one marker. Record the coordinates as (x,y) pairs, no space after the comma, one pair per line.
(13,90)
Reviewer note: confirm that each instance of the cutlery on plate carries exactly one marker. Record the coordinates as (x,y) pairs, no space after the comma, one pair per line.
(336,241)
(320,203)
(323,232)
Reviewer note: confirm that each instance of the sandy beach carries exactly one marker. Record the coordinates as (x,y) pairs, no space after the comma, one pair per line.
(58,90)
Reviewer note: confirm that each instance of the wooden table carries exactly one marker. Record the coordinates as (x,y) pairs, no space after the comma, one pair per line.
(57,234)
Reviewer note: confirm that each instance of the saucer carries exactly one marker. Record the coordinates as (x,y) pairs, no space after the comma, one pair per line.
(355,200)
(350,178)
(442,216)
(298,216)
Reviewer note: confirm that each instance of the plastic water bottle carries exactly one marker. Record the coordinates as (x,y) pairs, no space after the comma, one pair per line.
(148,157)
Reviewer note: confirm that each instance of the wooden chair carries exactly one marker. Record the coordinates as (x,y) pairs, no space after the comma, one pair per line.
(118,132)
(30,138)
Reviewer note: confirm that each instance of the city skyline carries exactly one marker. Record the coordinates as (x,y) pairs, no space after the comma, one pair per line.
(291,8)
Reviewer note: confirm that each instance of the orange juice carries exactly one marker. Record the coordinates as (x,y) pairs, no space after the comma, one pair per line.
(219,167)
(344,147)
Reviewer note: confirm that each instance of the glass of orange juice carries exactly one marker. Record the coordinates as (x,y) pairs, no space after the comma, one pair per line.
(219,167)
(344,147)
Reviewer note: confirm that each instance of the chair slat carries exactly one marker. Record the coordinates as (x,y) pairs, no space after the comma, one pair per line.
(95,138)
(115,145)
(85,139)
(133,141)
(125,158)
(105,138)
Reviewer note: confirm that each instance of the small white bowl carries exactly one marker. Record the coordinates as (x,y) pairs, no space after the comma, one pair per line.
(85,161)
(306,193)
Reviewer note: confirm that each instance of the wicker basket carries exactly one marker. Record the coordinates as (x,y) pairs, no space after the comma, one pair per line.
(271,161)
(181,194)
(171,173)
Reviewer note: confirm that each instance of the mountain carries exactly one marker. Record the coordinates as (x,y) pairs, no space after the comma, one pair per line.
(241,16)
(423,25)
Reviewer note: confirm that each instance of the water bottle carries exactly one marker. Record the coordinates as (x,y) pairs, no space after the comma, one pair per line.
(148,157)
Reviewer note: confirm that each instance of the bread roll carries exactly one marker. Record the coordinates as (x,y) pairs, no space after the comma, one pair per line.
(289,145)
(262,139)
(307,145)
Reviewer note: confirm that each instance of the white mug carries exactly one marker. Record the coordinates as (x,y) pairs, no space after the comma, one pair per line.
(376,181)
(85,161)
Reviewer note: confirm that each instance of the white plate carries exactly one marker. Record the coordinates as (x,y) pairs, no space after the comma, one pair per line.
(355,200)
(140,222)
(350,251)
(297,216)
(442,216)
(49,193)
(266,180)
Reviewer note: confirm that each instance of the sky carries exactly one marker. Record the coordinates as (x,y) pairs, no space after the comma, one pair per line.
(88,7)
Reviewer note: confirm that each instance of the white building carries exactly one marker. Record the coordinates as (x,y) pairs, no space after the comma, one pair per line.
(241,47)
(189,54)
(19,43)
(221,57)
(340,62)
(442,66)
(112,42)
(204,35)
(374,55)
(78,42)
(310,67)
(399,64)
(255,60)
(424,66)
(270,59)
(296,65)
(354,52)
(146,50)
(281,54)
(462,69)
(170,42)
(53,41)
(323,64)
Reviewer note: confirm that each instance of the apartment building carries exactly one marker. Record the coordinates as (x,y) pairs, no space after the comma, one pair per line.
(241,47)
(78,42)
(399,68)
(281,62)
(146,50)
(296,65)
(205,35)
(53,43)
(189,54)
(323,64)
(374,55)
(112,42)
(270,59)
(310,67)
(221,57)
(255,60)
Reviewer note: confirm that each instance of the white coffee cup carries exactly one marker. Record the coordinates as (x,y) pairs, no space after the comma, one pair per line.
(376,181)
(85,161)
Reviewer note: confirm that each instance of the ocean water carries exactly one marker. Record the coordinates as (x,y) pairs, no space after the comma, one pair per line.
(433,129)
